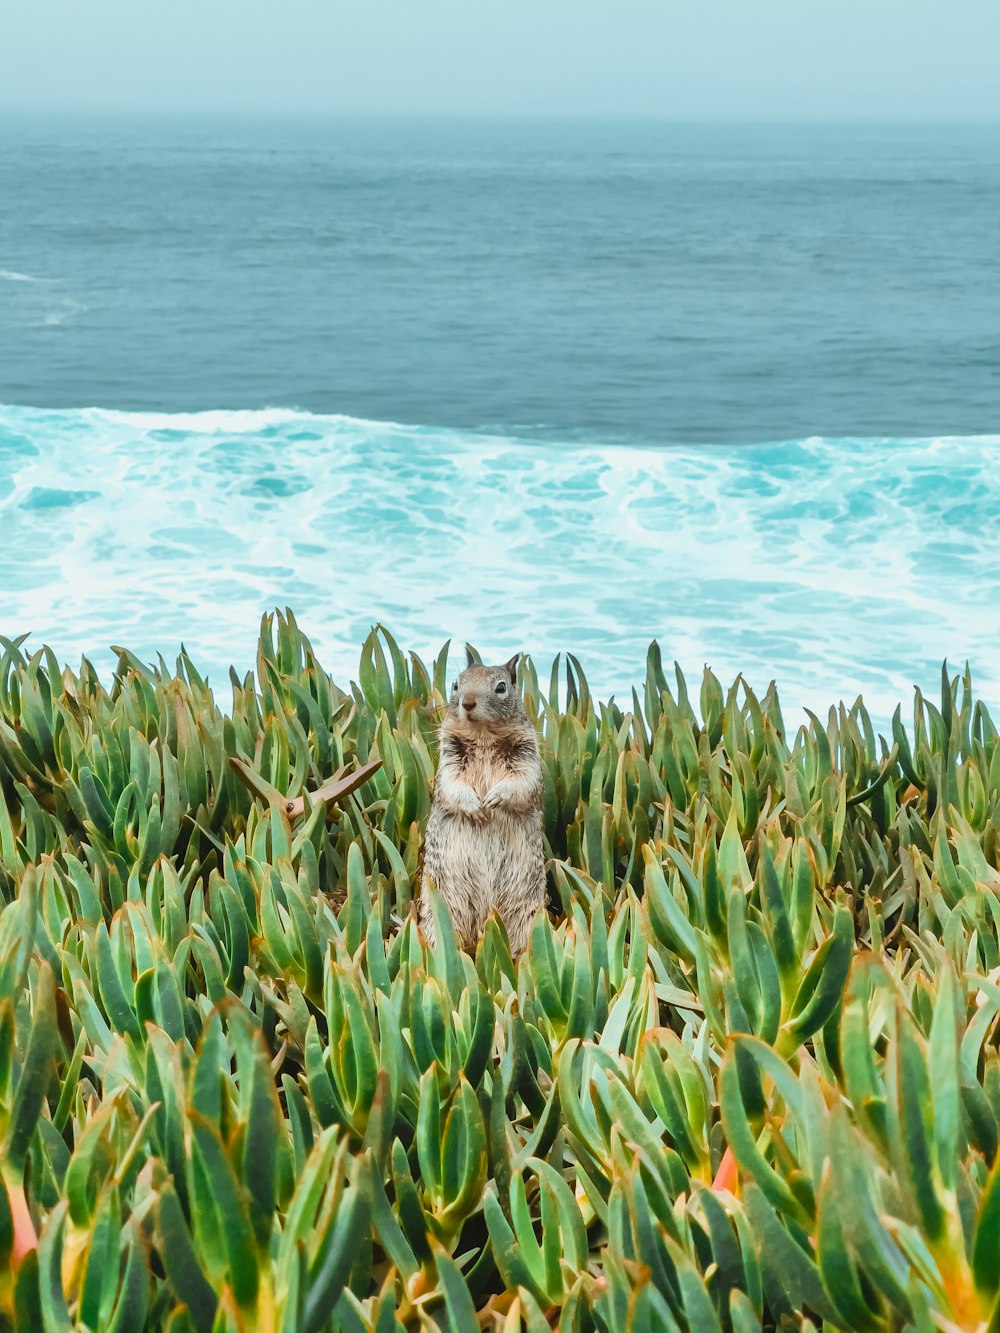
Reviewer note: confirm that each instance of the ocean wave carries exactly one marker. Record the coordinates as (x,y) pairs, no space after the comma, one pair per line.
(11,275)
(835,566)
(68,308)
(208,421)
(41,303)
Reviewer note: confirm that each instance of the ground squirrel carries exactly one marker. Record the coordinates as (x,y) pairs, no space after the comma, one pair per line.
(483,848)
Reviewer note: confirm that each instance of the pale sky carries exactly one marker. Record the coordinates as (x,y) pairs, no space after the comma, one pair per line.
(911,59)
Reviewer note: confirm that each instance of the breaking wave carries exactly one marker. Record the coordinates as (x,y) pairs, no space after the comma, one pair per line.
(835,566)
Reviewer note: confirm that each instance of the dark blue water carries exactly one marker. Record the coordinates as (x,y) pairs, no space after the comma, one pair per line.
(650,282)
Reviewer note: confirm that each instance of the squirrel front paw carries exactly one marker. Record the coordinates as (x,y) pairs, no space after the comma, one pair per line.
(499,794)
(469,804)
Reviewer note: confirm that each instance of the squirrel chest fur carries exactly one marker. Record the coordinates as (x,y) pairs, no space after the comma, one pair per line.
(483,850)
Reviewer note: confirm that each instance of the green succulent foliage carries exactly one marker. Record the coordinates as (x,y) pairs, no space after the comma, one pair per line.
(746,1075)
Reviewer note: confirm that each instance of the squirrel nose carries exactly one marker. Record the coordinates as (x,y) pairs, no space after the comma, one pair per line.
(468,702)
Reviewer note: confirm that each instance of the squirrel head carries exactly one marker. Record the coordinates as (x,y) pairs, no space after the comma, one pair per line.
(485,694)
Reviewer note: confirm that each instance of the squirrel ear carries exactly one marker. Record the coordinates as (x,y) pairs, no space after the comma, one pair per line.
(470,656)
(511,668)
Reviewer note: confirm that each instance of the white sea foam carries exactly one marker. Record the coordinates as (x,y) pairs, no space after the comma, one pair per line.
(235,421)
(838,566)
(67,308)
(41,302)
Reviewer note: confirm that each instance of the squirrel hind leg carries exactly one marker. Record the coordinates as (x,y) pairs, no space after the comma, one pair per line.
(425,919)
(462,907)
(465,933)
(518,928)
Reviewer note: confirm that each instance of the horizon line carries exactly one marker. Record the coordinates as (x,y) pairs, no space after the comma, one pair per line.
(423,114)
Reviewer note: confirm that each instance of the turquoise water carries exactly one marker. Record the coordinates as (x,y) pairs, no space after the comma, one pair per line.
(592,331)
(838,565)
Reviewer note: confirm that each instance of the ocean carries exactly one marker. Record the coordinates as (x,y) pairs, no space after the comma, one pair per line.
(540,385)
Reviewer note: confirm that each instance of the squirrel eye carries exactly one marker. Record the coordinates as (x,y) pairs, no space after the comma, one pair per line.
(454,687)
(501,688)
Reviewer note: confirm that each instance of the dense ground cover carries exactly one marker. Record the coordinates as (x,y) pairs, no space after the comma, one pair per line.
(746,1074)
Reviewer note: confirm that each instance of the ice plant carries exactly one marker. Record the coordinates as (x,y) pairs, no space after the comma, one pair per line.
(745,1076)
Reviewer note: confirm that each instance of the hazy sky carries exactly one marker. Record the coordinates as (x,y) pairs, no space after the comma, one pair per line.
(918,59)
